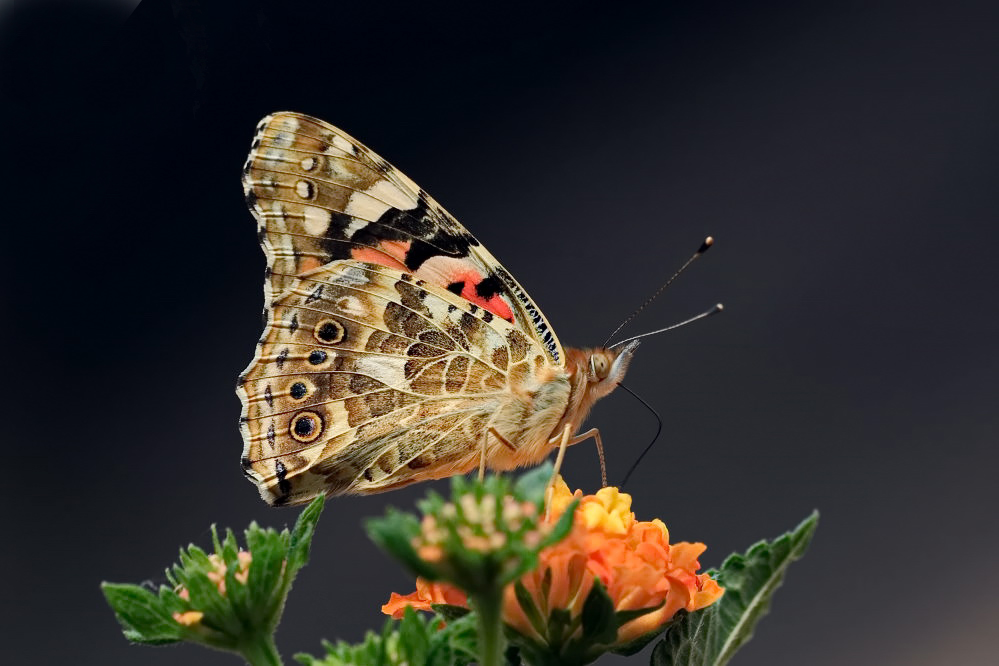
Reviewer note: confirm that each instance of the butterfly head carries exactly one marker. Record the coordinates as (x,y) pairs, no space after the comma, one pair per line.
(606,367)
(593,374)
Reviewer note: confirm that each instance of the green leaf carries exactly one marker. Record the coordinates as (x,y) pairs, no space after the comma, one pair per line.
(531,485)
(530,609)
(450,612)
(301,535)
(235,616)
(635,646)
(711,636)
(599,621)
(411,641)
(562,527)
(626,616)
(558,620)
(414,637)
(141,615)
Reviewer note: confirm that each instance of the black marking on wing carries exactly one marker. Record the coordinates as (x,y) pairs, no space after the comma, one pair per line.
(283,484)
(421,227)
(537,321)
(316,294)
(333,240)
(488,287)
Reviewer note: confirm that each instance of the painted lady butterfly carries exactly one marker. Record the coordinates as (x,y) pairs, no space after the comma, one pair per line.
(396,348)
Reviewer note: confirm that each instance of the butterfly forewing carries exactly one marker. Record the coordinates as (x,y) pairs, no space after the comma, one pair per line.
(321,196)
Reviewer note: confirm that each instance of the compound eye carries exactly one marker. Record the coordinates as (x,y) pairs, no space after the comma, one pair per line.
(599,366)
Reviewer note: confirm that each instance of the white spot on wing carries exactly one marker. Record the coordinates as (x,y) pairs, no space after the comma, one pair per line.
(392,195)
(342,144)
(350,305)
(317,220)
(363,206)
(308,163)
(372,203)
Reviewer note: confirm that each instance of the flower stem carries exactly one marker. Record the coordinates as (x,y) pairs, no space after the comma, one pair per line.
(261,651)
(489,608)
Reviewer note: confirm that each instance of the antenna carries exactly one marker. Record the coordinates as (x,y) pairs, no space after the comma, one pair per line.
(659,429)
(707,313)
(708,242)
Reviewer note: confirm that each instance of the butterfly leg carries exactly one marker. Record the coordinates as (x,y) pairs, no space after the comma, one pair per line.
(595,435)
(566,435)
(482,457)
(502,440)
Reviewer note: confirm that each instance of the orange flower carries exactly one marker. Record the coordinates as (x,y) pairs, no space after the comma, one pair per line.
(633,560)
(424,597)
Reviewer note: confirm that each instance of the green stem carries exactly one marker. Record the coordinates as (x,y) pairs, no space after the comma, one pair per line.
(261,651)
(489,610)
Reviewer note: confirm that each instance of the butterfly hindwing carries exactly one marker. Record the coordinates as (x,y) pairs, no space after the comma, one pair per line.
(368,378)
(321,196)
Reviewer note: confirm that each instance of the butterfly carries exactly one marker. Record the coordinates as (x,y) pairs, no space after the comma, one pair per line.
(396,348)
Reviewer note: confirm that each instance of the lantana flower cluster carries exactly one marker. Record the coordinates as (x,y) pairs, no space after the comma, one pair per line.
(216,575)
(481,525)
(646,578)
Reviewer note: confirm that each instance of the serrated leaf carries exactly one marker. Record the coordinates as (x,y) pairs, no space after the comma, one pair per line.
(414,637)
(301,535)
(711,636)
(455,644)
(204,596)
(265,571)
(141,614)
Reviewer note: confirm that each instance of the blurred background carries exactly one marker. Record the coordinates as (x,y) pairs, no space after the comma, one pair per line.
(844,156)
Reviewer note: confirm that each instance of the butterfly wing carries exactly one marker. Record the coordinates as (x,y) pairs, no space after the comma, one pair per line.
(368,379)
(321,196)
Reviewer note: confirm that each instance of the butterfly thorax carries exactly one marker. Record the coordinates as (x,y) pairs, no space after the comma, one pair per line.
(540,404)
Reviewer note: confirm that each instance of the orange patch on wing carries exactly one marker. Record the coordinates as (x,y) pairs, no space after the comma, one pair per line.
(391,254)
(470,279)
(494,303)
(308,264)
(447,271)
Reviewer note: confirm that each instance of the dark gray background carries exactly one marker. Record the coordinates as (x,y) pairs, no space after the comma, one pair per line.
(842,154)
